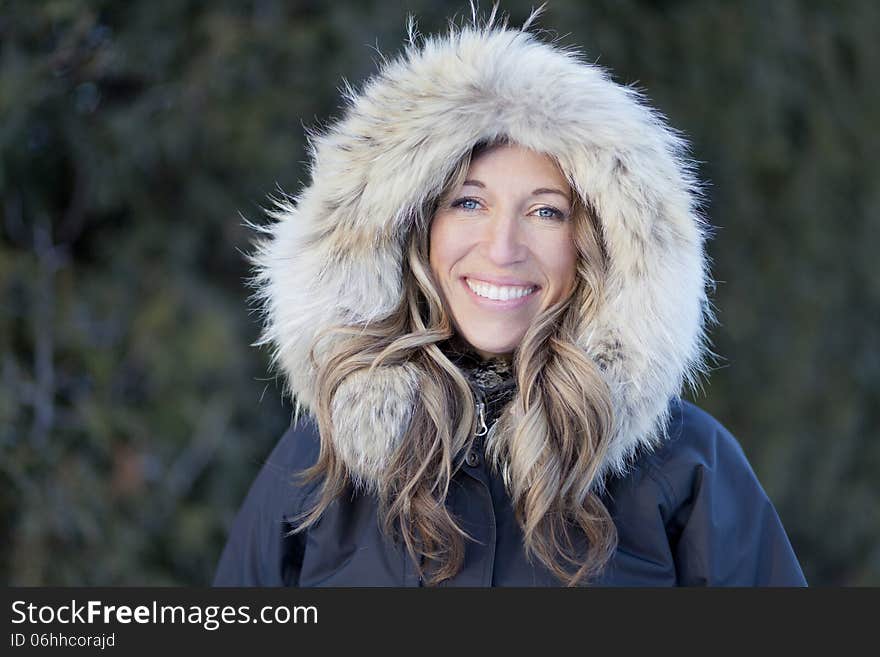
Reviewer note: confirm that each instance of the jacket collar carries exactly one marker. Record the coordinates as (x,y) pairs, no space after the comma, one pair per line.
(492,380)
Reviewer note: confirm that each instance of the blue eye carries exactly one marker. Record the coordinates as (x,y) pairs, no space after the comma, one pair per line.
(466,204)
(552,213)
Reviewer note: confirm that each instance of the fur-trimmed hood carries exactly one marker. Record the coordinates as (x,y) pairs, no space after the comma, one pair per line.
(334,253)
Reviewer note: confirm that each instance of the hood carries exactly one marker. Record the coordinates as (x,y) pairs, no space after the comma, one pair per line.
(333,253)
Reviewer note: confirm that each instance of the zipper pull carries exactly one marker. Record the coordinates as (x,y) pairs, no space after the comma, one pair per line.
(482,429)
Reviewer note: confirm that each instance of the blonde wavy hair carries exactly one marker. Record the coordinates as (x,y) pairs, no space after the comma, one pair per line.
(548,443)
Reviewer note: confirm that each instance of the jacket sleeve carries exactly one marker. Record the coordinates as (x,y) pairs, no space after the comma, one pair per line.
(722,527)
(260,550)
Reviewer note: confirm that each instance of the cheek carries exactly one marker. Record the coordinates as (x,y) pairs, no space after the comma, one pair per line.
(561,265)
(445,248)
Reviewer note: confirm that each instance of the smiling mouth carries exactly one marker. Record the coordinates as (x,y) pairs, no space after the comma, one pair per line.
(500,293)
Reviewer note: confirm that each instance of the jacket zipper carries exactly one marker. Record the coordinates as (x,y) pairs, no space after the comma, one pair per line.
(482,429)
(483,434)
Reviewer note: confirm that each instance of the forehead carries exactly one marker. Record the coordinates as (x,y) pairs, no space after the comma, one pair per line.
(513,163)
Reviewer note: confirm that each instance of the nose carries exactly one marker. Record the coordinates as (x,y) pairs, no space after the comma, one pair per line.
(505,241)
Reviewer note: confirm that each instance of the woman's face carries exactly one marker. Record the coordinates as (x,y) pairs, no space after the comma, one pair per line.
(501,246)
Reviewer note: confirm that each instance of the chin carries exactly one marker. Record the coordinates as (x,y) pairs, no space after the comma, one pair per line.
(493,346)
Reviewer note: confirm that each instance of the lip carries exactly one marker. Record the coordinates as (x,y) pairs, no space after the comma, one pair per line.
(497,304)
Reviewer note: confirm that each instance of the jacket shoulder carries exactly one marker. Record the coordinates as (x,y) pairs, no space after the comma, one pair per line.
(278,479)
(260,550)
(696,443)
(722,527)
(298,447)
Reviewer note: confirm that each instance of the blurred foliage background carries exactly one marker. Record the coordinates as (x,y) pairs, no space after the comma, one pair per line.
(135,136)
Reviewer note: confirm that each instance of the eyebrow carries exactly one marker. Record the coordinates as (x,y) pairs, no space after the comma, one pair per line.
(536,192)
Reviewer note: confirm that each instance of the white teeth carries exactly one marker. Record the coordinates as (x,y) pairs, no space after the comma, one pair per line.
(499,293)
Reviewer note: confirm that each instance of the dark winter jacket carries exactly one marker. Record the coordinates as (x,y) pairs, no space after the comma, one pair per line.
(690,513)
(687,506)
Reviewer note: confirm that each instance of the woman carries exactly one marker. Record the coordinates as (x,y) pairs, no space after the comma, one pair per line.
(485,305)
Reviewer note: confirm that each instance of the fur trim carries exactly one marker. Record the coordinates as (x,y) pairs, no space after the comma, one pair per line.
(334,254)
